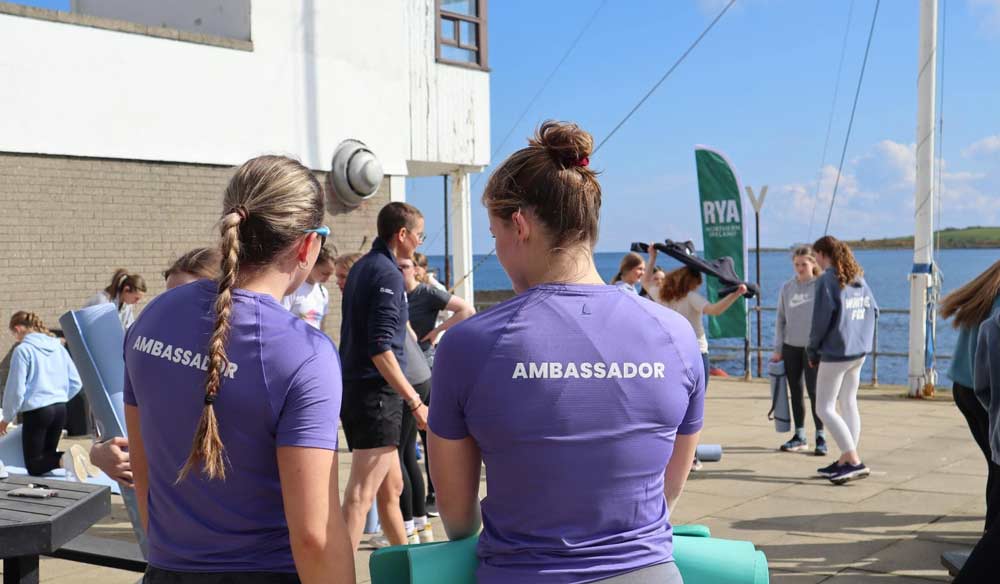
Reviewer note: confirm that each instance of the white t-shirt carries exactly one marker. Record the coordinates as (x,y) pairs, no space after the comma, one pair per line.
(309,302)
(691,307)
(125,314)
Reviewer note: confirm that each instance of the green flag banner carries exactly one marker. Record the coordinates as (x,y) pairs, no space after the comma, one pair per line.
(722,231)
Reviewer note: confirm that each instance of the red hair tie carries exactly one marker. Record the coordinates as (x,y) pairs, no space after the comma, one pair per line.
(585,161)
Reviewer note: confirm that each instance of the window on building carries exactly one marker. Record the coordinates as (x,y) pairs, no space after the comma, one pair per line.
(461,32)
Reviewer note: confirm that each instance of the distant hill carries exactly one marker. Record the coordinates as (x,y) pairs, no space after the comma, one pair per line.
(950,238)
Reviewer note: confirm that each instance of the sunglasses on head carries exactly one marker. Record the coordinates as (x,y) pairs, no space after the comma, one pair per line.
(322,231)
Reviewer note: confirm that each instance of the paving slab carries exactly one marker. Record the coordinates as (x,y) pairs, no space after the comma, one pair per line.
(925,495)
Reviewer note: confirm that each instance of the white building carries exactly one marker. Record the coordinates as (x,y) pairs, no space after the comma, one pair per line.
(120,121)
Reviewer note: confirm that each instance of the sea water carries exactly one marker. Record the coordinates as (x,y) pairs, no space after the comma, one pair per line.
(885,270)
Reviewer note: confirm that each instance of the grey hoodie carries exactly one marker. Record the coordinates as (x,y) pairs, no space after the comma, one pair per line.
(843,320)
(987,378)
(795,308)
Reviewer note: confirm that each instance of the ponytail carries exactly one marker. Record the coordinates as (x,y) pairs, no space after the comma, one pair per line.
(30,321)
(122,280)
(270,203)
(207,447)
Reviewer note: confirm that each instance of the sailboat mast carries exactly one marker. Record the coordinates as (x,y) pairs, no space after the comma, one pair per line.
(921,372)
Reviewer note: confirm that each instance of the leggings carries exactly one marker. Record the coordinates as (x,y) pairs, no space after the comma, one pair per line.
(837,382)
(978,420)
(40,434)
(427,453)
(412,501)
(666,573)
(797,367)
(704,362)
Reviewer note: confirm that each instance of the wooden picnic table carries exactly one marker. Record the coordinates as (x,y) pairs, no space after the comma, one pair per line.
(30,527)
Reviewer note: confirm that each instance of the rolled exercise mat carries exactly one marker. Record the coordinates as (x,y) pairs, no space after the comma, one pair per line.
(96,340)
(701,560)
(709,452)
(780,412)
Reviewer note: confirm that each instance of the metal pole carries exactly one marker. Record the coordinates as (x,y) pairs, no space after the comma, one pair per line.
(760,365)
(875,356)
(920,375)
(447,251)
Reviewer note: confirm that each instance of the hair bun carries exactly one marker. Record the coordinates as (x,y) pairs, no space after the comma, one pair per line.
(567,143)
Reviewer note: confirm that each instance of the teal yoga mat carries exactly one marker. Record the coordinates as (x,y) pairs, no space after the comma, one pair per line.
(700,558)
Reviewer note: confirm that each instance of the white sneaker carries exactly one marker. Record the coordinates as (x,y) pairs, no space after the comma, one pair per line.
(82,454)
(379,542)
(426,534)
(412,538)
(74,466)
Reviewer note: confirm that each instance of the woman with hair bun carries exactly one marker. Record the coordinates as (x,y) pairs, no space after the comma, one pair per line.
(125,291)
(232,401)
(558,380)
(842,333)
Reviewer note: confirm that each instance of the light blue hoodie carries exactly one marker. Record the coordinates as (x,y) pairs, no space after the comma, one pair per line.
(41,374)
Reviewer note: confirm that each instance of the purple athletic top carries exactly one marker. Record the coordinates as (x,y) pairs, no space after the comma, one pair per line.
(575,395)
(282,388)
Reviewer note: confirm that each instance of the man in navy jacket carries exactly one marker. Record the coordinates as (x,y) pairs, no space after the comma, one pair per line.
(372,333)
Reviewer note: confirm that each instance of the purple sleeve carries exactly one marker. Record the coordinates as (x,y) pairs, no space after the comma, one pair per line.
(450,387)
(308,417)
(129,395)
(695,416)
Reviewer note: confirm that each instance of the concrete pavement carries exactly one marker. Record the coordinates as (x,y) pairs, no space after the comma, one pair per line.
(925,495)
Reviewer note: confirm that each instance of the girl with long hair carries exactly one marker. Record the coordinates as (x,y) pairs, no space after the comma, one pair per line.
(125,291)
(557,379)
(841,335)
(42,378)
(253,497)
(791,335)
(630,272)
(679,292)
(968,307)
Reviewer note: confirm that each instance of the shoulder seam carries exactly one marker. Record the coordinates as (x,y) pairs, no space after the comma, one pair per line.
(673,344)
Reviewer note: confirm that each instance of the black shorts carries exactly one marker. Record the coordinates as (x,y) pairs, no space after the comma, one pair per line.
(372,414)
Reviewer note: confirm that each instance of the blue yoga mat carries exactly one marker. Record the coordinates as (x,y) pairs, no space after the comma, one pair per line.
(96,342)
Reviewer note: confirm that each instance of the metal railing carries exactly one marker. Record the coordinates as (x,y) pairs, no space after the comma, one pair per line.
(760,350)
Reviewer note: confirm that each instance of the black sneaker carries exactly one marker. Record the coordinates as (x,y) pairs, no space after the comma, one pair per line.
(849,472)
(828,470)
(432,508)
(820,446)
(796,444)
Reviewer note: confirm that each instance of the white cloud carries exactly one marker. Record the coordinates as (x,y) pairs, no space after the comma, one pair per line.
(876,198)
(987,145)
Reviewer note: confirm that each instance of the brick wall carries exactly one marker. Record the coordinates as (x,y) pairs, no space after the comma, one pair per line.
(67,223)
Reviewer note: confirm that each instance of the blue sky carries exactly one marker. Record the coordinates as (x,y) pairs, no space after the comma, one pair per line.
(760,88)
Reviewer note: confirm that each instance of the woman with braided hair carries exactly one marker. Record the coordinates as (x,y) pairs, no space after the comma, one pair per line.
(254,498)
(125,291)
